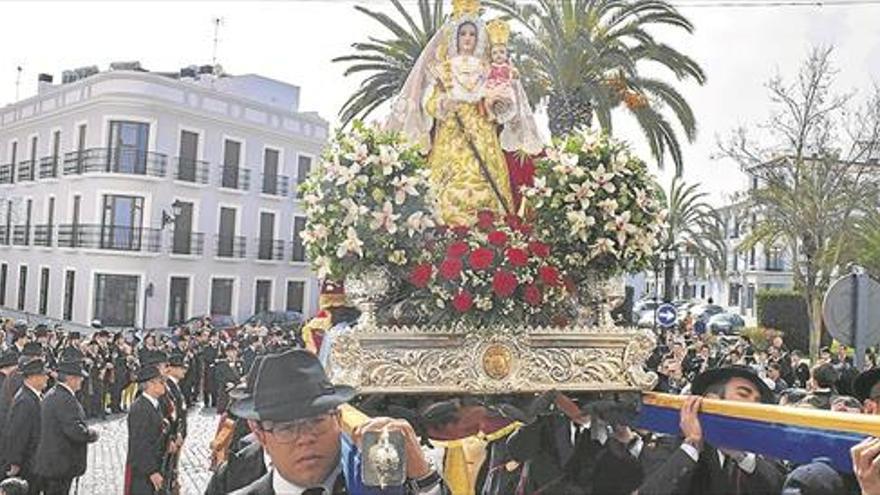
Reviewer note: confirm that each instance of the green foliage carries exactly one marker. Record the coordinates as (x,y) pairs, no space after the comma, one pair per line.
(387,62)
(589,54)
(760,337)
(785,311)
(693,225)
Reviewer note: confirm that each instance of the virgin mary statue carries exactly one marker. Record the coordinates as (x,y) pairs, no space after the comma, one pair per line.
(441,107)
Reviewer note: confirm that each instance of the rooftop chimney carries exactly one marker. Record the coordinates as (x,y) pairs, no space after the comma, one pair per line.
(44,83)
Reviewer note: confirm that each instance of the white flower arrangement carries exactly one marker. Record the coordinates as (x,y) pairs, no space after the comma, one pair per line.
(368,203)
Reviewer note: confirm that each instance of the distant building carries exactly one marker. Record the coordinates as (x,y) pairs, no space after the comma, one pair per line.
(136,197)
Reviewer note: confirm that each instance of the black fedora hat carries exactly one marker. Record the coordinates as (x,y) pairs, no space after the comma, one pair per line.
(292,386)
(35,366)
(32,349)
(73,368)
(153,358)
(8,358)
(710,377)
(178,359)
(146,373)
(864,382)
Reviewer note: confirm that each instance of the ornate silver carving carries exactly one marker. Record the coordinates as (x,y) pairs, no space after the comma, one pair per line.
(366,289)
(494,360)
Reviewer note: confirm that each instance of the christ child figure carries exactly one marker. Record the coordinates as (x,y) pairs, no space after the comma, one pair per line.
(498,90)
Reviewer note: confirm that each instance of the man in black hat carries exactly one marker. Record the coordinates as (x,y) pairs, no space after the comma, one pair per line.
(227,374)
(8,365)
(296,419)
(71,350)
(147,434)
(64,436)
(22,429)
(20,337)
(866,388)
(14,379)
(697,468)
(209,353)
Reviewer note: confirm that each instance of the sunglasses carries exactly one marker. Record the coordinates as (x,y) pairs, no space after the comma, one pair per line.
(291,431)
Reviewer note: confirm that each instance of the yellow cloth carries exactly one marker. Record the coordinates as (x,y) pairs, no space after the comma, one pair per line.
(460,186)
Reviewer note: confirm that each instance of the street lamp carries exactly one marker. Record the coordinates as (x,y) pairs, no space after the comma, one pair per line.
(176,208)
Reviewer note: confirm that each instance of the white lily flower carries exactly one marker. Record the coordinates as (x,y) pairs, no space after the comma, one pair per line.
(351,244)
(359,153)
(580,223)
(582,193)
(404,186)
(385,219)
(569,160)
(621,226)
(323,264)
(603,245)
(398,257)
(353,211)
(418,222)
(347,174)
(389,158)
(608,206)
(603,179)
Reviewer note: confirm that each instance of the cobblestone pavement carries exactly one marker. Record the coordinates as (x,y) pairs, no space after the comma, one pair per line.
(106,467)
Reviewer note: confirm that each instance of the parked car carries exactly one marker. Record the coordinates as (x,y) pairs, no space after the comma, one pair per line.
(726,323)
(219,322)
(706,311)
(642,307)
(285,320)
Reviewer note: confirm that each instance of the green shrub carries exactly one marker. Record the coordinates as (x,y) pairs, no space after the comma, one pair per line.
(785,311)
(760,337)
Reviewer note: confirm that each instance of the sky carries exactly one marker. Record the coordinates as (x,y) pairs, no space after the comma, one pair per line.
(740,48)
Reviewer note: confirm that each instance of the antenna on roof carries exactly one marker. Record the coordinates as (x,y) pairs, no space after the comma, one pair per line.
(217,22)
(17,81)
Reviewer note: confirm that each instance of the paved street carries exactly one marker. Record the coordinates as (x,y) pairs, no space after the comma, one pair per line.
(107,457)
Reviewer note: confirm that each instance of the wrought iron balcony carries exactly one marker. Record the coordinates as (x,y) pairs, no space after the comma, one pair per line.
(189,170)
(5,236)
(109,237)
(270,249)
(21,235)
(26,170)
(43,235)
(6,173)
(276,185)
(187,243)
(115,161)
(230,246)
(49,167)
(234,178)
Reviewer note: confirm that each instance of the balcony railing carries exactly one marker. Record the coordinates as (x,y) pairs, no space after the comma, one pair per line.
(114,238)
(230,246)
(189,170)
(49,167)
(6,173)
(26,170)
(187,243)
(5,236)
(270,249)
(21,235)
(115,160)
(43,235)
(234,178)
(276,185)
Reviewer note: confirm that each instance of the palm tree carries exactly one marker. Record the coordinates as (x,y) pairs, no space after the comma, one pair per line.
(388,62)
(584,58)
(692,226)
(867,243)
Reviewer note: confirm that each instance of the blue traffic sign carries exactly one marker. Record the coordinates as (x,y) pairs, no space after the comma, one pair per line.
(666,315)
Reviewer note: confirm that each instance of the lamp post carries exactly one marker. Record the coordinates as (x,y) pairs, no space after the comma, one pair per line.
(668,256)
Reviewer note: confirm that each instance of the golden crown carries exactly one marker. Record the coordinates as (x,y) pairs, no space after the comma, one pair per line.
(465,7)
(499,32)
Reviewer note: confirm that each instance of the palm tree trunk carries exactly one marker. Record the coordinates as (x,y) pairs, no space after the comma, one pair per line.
(566,115)
(668,275)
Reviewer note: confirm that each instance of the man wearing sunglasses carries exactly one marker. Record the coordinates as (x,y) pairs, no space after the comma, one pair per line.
(295,417)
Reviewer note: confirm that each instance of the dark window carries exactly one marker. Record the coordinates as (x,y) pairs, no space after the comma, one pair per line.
(296,291)
(270,172)
(128,147)
(44,290)
(189,150)
(69,280)
(182,238)
(14,158)
(8,239)
(27,221)
(178,296)
(121,226)
(263,296)
(56,152)
(116,299)
(267,236)
(226,237)
(80,147)
(50,220)
(4,270)
(33,158)
(22,287)
(298,253)
(221,296)
(231,159)
(303,168)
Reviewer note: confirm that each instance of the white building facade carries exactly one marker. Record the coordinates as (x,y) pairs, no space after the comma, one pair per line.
(143,199)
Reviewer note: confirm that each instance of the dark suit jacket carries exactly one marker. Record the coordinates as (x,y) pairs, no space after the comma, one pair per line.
(175,395)
(22,430)
(680,475)
(243,468)
(554,464)
(145,446)
(64,436)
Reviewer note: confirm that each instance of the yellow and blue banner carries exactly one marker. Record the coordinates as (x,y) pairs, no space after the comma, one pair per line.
(794,434)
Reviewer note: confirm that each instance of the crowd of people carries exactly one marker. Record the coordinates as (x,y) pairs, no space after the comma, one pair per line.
(281,426)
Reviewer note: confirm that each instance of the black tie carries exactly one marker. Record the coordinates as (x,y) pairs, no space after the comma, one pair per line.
(318,490)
